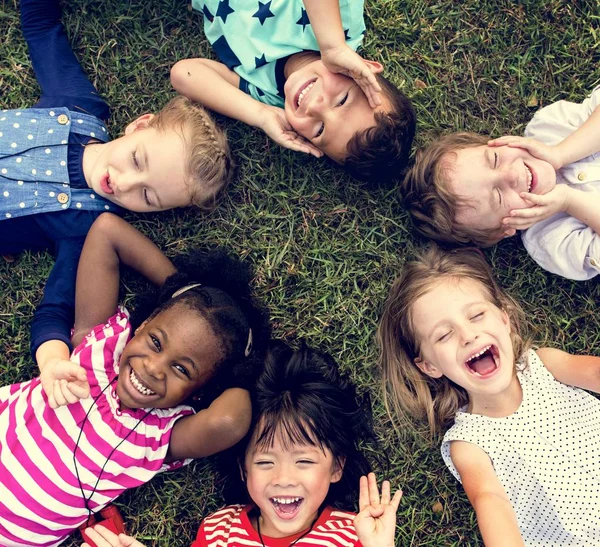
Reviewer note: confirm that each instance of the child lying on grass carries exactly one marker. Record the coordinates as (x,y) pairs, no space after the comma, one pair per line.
(465,189)
(289,67)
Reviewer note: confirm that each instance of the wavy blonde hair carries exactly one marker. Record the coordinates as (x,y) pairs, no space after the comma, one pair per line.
(209,166)
(407,391)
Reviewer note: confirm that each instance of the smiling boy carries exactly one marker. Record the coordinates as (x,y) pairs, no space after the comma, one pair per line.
(289,67)
(465,189)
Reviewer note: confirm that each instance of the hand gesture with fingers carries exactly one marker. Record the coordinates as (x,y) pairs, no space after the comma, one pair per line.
(344,60)
(103,537)
(537,149)
(276,126)
(64,382)
(375,524)
(543,206)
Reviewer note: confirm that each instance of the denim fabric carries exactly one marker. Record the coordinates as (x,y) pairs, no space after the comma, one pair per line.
(34,174)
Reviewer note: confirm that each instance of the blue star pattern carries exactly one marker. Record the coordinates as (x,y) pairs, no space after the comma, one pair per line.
(264,12)
(260,36)
(207,13)
(260,61)
(224,10)
(304,20)
(225,53)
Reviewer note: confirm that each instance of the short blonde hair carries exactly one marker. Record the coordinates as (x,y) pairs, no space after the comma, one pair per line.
(407,391)
(429,201)
(209,166)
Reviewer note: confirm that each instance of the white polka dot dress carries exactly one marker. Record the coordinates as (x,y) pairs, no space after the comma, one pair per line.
(547,457)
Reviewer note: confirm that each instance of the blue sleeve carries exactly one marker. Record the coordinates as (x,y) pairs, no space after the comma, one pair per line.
(55,316)
(62,80)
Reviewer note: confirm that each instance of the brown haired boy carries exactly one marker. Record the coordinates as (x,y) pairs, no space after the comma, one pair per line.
(289,67)
(464,189)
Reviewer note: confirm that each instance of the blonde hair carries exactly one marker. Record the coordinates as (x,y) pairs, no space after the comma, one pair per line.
(209,166)
(429,201)
(407,391)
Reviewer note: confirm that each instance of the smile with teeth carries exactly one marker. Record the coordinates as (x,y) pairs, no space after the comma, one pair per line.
(286,501)
(484,362)
(305,91)
(137,384)
(529,178)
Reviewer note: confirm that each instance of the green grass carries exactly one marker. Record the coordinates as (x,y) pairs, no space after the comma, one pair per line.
(324,247)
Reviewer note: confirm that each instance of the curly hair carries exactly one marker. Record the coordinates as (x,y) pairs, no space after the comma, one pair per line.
(209,166)
(223,297)
(380,153)
(301,398)
(408,392)
(431,204)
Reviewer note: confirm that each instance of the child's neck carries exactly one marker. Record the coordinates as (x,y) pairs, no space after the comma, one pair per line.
(499,405)
(298,60)
(90,155)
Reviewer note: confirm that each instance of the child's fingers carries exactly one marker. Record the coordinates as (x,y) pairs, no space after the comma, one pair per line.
(396,499)
(58,394)
(385,493)
(503,141)
(81,391)
(363,497)
(103,537)
(373,490)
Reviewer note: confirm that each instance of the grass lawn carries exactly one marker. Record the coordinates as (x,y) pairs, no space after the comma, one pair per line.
(324,247)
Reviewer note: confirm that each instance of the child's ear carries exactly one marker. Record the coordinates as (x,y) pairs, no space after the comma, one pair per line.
(375,67)
(338,469)
(427,368)
(509,232)
(140,123)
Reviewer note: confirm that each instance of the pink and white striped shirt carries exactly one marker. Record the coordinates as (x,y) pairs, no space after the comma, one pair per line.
(231,527)
(40,497)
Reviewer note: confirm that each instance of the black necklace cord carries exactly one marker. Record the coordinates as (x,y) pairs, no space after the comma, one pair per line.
(293,542)
(86,500)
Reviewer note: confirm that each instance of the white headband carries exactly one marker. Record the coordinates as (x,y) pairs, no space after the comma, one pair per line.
(179,292)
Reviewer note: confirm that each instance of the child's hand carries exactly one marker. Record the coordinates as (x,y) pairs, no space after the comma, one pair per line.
(537,149)
(344,60)
(276,126)
(543,207)
(64,382)
(375,524)
(103,537)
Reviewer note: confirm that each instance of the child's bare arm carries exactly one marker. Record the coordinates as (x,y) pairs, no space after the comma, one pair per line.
(495,516)
(575,370)
(111,242)
(337,56)
(215,86)
(213,429)
(103,537)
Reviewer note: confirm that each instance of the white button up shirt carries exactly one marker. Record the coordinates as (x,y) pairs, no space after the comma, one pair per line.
(562,244)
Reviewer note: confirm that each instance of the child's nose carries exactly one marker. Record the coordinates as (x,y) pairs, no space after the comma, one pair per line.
(284,476)
(155,367)
(467,334)
(316,105)
(126,183)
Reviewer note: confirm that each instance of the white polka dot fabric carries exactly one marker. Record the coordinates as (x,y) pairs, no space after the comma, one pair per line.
(546,455)
(34,170)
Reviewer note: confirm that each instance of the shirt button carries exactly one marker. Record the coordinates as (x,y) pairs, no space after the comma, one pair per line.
(62,198)
(593,262)
(63,119)
(582,176)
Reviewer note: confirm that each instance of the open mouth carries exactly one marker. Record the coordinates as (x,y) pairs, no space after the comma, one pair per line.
(303,92)
(286,507)
(530,178)
(483,363)
(106,185)
(139,386)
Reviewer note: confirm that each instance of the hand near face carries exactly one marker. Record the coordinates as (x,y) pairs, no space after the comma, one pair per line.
(103,537)
(375,524)
(276,126)
(344,60)
(536,148)
(542,207)
(64,382)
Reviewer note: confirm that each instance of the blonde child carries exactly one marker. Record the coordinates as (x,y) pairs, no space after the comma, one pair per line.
(466,189)
(524,438)
(297,471)
(289,67)
(59,170)
(122,407)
